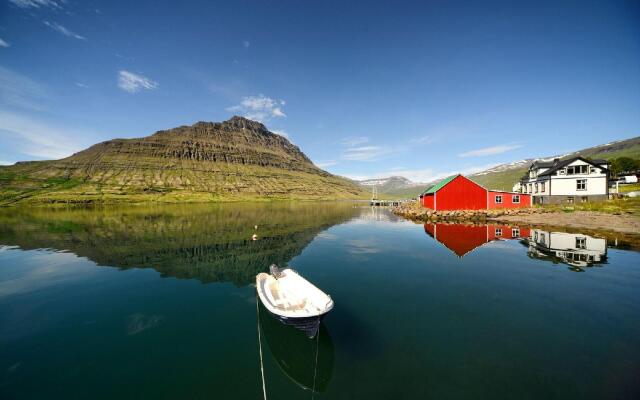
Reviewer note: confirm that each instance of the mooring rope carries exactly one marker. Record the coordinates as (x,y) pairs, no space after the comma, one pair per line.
(315,370)
(264,388)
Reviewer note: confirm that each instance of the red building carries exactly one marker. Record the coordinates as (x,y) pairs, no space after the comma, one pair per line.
(462,239)
(459,193)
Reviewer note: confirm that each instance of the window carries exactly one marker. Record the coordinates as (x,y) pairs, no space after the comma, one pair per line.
(498,232)
(593,170)
(581,243)
(543,238)
(542,184)
(570,199)
(536,188)
(498,199)
(584,199)
(577,169)
(531,188)
(562,171)
(515,199)
(581,184)
(515,233)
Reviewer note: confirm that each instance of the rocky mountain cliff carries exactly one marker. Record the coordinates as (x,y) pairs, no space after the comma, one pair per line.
(232,160)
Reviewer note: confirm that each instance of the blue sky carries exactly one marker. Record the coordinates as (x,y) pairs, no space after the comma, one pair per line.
(365,89)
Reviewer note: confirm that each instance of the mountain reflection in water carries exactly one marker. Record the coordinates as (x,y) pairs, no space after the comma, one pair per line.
(575,249)
(211,243)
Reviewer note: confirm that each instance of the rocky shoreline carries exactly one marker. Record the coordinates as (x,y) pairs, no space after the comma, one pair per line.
(623,223)
(415,212)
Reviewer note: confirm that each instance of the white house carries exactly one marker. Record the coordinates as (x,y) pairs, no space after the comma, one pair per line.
(567,181)
(577,250)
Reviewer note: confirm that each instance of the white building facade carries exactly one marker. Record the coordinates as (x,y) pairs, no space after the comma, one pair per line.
(567,181)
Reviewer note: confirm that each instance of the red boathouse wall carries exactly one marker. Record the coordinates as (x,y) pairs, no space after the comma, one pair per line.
(508,199)
(427,201)
(460,194)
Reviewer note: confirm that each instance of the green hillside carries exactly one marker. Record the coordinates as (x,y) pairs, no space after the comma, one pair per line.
(238,159)
(505,179)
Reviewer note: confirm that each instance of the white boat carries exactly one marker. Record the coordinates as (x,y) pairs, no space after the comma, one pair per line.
(293,299)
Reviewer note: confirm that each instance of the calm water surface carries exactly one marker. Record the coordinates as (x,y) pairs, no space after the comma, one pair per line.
(158,302)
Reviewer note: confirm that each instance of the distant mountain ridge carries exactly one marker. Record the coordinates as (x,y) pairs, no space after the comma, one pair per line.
(237,159)
(504,176)
(393,186)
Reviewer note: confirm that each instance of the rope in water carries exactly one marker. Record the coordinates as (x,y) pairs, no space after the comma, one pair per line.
(315,369)
(264,388)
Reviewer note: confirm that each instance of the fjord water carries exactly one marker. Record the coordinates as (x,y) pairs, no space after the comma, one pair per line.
(158,302)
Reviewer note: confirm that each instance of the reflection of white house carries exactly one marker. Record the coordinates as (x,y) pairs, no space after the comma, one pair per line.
(577,250)
(567,181)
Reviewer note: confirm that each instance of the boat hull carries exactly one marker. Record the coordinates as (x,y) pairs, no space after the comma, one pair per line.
(308,325)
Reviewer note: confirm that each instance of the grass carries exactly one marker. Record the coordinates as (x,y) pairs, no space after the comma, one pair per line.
(627,205)
(631,187)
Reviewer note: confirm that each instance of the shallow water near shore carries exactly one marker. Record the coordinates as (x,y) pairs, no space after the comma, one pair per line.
(159,302)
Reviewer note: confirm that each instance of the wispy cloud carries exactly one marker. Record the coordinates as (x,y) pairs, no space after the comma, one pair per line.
(246,44)
(325,164)
(354,140)
(82,85)
(17,90)
(35,3)
(365,153)
(260,108)
(490,151)
(3,43)
(133,83)
(61,29)
(425,175)
(38,139)
(426,139)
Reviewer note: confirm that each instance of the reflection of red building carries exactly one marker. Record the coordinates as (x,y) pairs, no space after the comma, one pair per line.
(461,239)
(459,193)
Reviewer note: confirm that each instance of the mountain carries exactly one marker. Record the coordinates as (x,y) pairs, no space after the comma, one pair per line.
(393,187)
(238,159)
(504,176)
(207,242)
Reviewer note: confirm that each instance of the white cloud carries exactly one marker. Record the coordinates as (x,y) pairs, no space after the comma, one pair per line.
(490,151)
(5,162)
(3,43)
(365,153)
(132,83)
(17,90)
(61,29)
(325,164)
(82,85)
(354,140)
(427,139)
(422,175)
(38,139)
(260,108)
(246,44)
(35,3)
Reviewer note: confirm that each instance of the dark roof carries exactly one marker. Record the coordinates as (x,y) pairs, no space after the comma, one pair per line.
(556,165)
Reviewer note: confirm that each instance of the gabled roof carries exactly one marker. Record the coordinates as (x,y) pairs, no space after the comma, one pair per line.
(440,184)
(561,164)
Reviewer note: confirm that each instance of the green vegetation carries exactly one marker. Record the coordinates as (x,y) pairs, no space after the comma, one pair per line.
(209,242)
(629,187)
(626,149)
(626,205)
(236,160)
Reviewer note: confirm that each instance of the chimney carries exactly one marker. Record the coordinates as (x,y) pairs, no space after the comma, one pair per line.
(555,160)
